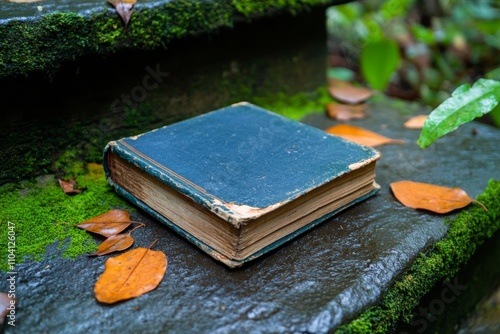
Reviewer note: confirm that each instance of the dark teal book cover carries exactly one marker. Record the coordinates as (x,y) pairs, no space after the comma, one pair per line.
(240,163)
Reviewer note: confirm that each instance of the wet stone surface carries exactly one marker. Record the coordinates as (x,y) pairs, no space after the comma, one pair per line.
(311,284)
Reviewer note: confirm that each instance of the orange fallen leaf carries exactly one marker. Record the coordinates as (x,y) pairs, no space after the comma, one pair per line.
(345,112)
(124,8)
(130,275)
(431,197)
(70,187)
(107,224)
(115,243)
(6,304)
(346,92)
(416,122)
(361,136)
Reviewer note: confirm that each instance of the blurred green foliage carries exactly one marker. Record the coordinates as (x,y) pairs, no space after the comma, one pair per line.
(379,59)
(443,44)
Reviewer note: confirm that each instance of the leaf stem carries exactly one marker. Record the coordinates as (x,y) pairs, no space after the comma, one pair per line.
(135,228)
(152,244)
(484,206)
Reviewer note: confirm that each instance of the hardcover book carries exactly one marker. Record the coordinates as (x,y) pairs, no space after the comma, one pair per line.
(240,181)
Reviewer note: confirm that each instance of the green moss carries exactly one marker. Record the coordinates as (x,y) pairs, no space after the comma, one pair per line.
(29,46)
(68,165)
(295,106)
(466,232)
(26,155)
(151,28)
(42,45)
(107,30)
(44,215)
(23,160)
(251,7)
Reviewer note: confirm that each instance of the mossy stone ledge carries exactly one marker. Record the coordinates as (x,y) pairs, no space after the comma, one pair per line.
(40,36)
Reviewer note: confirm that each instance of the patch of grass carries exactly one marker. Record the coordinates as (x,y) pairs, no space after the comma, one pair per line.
(44,215)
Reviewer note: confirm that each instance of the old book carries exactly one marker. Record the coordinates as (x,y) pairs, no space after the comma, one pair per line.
(240,181)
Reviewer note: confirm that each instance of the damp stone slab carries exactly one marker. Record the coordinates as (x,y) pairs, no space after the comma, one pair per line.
(312,284)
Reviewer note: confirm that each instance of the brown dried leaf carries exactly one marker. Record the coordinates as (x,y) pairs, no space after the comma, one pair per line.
(70,187)
(430,197)
(124,8)
(107,224)
(346,92)
(345,112)
(416,122)
(361,136)
(6,302)
(114,243)
(130,275)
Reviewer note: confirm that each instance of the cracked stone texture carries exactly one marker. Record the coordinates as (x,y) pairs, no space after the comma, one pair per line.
(311,284)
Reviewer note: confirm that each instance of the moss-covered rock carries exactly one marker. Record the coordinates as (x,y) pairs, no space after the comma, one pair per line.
(43,44)
(250,7)
(43,215)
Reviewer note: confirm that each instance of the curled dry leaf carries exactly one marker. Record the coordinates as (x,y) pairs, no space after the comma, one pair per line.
(361,136)
(431,197)
(124,8)
(114,243)
(130,275)
(107,224)
(70,187)
(346,92)
(416,122)
(6,304)
(345,112)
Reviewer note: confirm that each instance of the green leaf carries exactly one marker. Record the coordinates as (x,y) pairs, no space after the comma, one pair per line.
(463,106)
(395,8)
(423,34)
(379,60)
(493,74)
(495,115)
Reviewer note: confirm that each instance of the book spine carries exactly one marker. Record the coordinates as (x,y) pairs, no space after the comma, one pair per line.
(105,164)
(169,179)
(111,147)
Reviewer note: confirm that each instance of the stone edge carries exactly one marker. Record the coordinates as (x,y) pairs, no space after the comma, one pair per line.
(470,229)
(43,44)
